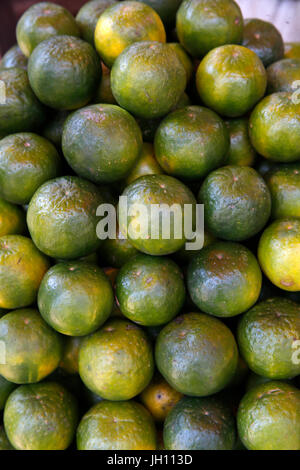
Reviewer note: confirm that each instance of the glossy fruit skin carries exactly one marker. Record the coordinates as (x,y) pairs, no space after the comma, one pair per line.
(159,398)
(69,230)
(231,80)
(203,25)
(69,361)
(184,58)
(150,290)
(241,151)
(22,267)
(279,253)
(237,202)
(190,142)
(116,426)
(263,425)
(199,424)
(12,219)
(146,164)
(42,21)
(266,335)
(274,128)
(123,24)
(33,349)
(53,129)
(224,279)
(88,15)
(284,184)
(14,57)
(22,111)
(101,142)
(154,96)
(149,190)
(205,351)
(75,298)
(165,8)
(116,362)
(292,50)
(4,442)
(104,92)
(282,75)
(27,160)
(41,417)
(264,39)
(64,72)
(6,388)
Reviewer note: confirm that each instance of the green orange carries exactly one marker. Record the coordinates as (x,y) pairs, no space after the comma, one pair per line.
(27,160)
(116,426)
(279,253)
(203,25)
(116,362)
(115,252)
(284,75)
(88,16)
(41,417)
(123,24)
(6,388)
(264,39)
(292,50)
(146,164)
(231,80)
(32,349)
(14,57)
(22,268)
(241,151)
(269,417)
(12,219)
(284,185)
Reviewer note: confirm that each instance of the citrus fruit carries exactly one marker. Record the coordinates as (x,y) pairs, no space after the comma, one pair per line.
(165,8)
(203,25)
(4,442)
(12,219)
(224,279)
(62,219)
(196,354)
(14,57)
(116,362)
(199,424)
(237,202)
(275,127)
(69,362)
(75,298)
(41,417)
(150,290)
(123,24)
(64,72)
(32,349)
(40,22)
(146,164)
(184,59)
(231,80)
(152,94)
(21,111)
(26,162)
(279,253)
(53,128)
(104,92)
(269,417)
(101,142)
(241,151)
(154,231)
(292,50)
(264,39)
(284,75)
(159,398)
(88,15)
(116,426)
(266,336)
(6,388)
(22,267)
(284,184)
(190,142)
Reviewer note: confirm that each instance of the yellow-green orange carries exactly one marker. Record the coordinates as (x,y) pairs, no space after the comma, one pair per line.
(284,75)
(231,80)
(241,151)
(14,57)
(32,349)
(116,362)
(88,16)
(123,24)
(284,185)
(116,426)
(22,267)
(279,253)
(292,50)
(12,219)
(146,164)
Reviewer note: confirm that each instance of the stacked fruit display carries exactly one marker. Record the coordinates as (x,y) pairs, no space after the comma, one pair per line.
(137,342)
